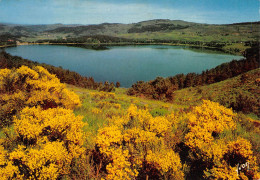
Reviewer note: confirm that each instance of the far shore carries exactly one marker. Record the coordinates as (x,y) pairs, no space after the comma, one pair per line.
(121,44)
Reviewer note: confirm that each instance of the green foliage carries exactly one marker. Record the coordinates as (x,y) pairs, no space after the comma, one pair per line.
(239,93)
(159,112)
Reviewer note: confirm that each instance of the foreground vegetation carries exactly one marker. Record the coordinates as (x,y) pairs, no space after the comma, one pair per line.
(67,132)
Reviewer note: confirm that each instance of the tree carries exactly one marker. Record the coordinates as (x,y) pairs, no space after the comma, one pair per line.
(117,84)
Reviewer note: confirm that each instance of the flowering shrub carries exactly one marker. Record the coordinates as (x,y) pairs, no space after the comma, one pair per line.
(220,156)
(96,111)
(134,142)
(207,121)
(167,162)
(223,172)
(48,142)
(32,87)
(102,95)
(105,104)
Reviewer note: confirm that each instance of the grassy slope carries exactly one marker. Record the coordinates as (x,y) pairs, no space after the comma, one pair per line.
(227,93)
(224,92)
(248,126)
(98,120)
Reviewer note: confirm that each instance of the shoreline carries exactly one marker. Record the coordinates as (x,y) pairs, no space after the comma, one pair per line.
(123,44)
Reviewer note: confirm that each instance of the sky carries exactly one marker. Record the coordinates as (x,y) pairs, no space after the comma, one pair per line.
(127,11)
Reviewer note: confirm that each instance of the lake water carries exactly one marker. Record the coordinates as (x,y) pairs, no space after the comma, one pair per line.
(126,64)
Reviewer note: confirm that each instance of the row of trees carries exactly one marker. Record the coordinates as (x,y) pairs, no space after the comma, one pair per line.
(138,28)
(65,76)
(88,39)
(7,39)
(163,88)
(111,39)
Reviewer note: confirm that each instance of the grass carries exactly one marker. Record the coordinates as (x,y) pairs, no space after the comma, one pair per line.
(204,33)
(225,92)
(96,121)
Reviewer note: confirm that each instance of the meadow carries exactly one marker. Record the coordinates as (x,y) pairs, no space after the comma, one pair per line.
(50,130)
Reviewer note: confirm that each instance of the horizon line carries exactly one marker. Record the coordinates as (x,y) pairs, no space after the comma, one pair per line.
(11,23)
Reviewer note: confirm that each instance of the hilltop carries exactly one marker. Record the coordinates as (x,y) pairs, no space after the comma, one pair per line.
(228,37)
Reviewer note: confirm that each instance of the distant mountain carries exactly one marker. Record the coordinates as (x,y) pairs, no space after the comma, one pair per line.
(157,29)
(101,29)
(114,29)
(14,28)
(41,28)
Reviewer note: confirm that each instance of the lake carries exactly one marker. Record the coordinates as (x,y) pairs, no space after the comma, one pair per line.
(126,64)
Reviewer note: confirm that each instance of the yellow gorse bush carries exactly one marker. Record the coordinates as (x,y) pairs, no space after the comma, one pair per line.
(134,142)
(3,153)
(96,111)
(224,172)
(32,87)
(206,123)
(57,123)
(167,161)
(102,95)
(105,104)
(47,161)
(48,136)
(48,142)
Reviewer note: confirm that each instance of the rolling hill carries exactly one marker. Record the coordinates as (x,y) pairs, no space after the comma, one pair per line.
(158,29)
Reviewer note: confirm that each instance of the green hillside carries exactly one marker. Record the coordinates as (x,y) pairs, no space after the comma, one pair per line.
(228,37)
(101,109)
(241,93)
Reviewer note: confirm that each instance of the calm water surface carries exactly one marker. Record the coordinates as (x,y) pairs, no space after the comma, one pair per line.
(126,64)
